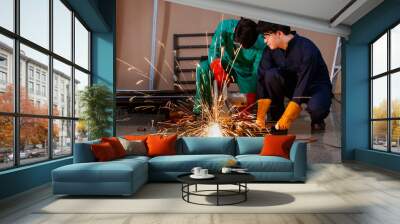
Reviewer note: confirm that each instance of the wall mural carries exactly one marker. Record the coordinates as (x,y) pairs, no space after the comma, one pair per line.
(211,74)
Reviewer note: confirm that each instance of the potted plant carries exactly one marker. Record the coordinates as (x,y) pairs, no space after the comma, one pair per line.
(96,102)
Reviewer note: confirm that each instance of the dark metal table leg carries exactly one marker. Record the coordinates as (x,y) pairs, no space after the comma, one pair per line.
(182,190)
(245,193)
(196,188)
(217,194)
(188,190)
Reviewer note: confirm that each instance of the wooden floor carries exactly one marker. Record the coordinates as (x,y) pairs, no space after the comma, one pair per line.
(377,189)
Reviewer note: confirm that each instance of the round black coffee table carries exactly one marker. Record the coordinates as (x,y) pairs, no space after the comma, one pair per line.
(238,179)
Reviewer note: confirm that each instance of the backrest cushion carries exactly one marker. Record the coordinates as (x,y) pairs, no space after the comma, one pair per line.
(249,145)
(83,152)
(116,145)
(207,145)
(159,145)
(277,145)
(135,137)
(134,147)
(103,152)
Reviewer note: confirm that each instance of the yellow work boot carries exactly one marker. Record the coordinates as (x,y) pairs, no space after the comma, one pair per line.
(262,109)
(292,111)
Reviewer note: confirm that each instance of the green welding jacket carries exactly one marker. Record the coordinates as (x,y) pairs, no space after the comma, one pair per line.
(245,65)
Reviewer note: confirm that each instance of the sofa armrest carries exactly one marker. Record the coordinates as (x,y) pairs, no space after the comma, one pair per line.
(298,155)
(83,152)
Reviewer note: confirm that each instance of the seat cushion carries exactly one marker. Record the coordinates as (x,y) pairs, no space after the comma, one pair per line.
(111,171)
(185,163)
(257,163)
(134,157)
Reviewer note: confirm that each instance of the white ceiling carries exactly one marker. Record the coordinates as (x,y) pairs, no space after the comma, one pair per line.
(316,15)
(321,9)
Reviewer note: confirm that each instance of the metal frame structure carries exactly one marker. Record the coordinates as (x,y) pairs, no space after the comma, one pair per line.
(388,74)
(177,58)
(242,191)
(17,115)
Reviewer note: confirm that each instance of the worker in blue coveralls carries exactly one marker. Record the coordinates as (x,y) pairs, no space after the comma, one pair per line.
(291,66)
(238,62)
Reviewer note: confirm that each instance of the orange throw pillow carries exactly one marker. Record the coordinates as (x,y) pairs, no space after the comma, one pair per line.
(160,145)
(277,145)
(103,152)
(116,145)
(135,137)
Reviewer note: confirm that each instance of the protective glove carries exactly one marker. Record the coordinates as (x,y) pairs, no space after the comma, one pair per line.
(262,109)
(219,73)
(291,113)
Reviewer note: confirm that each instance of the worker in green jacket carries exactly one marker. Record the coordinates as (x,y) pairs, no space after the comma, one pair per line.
(238,61)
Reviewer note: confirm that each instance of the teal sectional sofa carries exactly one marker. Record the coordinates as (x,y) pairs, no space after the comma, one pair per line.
(125,176)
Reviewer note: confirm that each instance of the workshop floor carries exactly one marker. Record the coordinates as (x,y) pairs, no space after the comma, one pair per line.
(327,148)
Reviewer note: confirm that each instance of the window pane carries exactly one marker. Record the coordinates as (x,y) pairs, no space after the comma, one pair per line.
(34,80)
(62,138)
(81,45)
(379,98)
(62,89)
(6,74)
(62,29)
(81,131)
(6,142)
(395,47)
(379,55)
(81,81)
(379,135)
(35,21)
(33,139)
(395,95)
(395,136)
(7,14)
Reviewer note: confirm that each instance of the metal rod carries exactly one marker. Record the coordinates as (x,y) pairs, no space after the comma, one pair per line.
(16,84)
(153,43)
(50,82)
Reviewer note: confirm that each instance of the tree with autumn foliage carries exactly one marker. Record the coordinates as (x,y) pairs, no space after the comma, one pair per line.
(6,122)
(33,131)
(380,127)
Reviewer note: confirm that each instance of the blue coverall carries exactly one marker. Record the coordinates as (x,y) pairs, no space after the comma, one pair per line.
(299,73)
(245,64)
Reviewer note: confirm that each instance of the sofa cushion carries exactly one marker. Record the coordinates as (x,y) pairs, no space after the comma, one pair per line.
(103,151)
(116,145)
(160,145)
(135,137)
(277,145)
(112,171)
(134,147)
(185,163)
(207,145)
(249,145)
(257,163)
(133,157)
(83,152)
